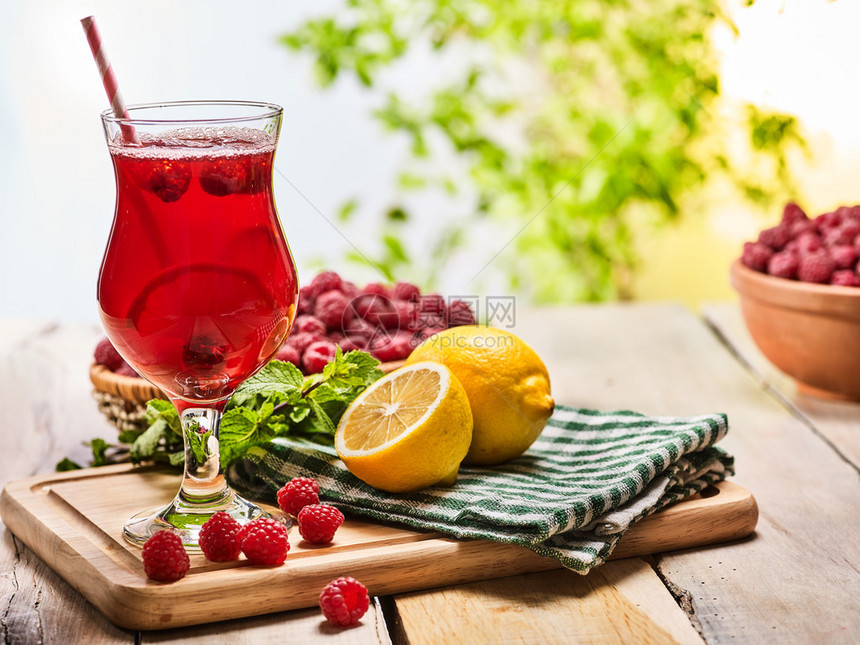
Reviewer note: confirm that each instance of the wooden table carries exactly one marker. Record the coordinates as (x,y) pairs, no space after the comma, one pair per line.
(796,580)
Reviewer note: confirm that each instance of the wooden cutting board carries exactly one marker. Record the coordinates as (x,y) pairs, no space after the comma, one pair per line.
(73,521)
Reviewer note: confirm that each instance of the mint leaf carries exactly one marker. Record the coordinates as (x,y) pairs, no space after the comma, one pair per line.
(278,377)
(99,448)
(277,401)
(67,464)
(322,418)
(144,446)
(242,428)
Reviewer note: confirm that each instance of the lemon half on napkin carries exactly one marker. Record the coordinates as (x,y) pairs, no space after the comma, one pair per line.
(408,430)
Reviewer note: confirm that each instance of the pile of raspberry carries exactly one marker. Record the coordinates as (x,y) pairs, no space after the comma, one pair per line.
(823,250)
(264,542)
(387,322)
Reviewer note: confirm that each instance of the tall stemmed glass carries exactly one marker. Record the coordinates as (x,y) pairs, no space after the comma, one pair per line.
(197,288)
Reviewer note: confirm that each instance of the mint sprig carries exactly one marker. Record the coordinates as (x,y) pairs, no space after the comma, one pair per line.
(277,401)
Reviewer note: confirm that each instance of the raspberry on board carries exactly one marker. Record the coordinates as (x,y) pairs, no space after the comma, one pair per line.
(220,538)
(333,309)
(344,601)
(311,324)
(327,281)
(318,355)
(405,291)
(164,557)
(319,522)
(289,354)
(264,542)
(298,493)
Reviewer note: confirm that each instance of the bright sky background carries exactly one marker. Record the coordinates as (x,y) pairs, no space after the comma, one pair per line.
(56,180)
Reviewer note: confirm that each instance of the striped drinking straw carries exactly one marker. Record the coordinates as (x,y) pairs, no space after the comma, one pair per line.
(108,78)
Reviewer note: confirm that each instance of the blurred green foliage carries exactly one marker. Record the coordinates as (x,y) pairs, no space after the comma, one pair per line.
(569,127)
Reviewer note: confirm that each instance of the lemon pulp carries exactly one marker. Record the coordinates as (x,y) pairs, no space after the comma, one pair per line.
(407,431)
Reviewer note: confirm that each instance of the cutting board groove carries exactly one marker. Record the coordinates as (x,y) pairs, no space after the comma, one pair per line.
(73,521)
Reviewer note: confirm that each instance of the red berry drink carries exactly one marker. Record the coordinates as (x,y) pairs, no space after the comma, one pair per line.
(197,287)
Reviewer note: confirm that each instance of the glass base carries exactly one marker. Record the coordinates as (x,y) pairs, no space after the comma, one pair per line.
(185,519)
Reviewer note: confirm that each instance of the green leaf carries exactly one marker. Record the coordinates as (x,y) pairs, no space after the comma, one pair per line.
(67,464)
(321,417)
(145,445)
(278,377)
(347,209)
(99,448)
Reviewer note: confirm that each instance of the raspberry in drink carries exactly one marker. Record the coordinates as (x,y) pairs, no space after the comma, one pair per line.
(197,288)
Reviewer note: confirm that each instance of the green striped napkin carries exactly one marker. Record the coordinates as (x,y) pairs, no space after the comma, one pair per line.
(571,496)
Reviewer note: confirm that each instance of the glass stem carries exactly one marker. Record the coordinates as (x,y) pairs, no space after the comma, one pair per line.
(202,482)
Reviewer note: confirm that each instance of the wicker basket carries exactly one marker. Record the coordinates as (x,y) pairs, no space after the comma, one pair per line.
(122,399)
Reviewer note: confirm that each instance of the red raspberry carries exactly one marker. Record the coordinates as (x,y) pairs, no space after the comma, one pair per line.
(422,335)
(801,226)
(792,213)
(164,557)
(350,289)
(376,289)
(105,354)
(307,300)
(318,355)
(302,340)
(289,354)
(126,370)
(407,314)
(333,309)
(325,282)
(234,175)
(405,291)
(346,344)
(808,243)
(344,601)
(844,255)
(220,538)
(827,220)
(377,310)
(432,312)
(816,267)
(776,237)
(319,522)
(169,181)
(844,234)
(783,265)
(756,256)
(395,347)
(845,278)
(264,541)
(460,313)
(298,493)
(308,324)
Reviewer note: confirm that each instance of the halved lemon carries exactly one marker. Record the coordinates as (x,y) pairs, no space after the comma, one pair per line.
(408,430)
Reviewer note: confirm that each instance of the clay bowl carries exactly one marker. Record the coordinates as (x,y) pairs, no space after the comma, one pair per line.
(811,332)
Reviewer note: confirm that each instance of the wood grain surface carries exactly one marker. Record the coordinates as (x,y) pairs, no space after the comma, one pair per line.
(796,581)
(74,520)
(836,420)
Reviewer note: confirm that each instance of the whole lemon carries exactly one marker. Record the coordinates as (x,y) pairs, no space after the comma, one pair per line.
(507,385)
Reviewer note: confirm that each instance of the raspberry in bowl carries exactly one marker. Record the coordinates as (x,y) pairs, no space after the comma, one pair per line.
(800,298)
